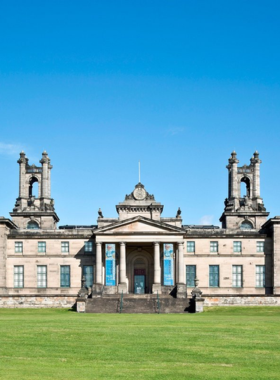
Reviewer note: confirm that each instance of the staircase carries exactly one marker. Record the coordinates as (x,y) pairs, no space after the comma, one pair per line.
(137,304)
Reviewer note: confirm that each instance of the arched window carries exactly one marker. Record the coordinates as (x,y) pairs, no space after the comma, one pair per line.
(33,190)
(246,226)
(32,225)
(247,184)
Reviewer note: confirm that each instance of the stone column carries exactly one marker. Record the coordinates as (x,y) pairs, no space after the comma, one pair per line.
(181,285)
(44,182)
(98,265)
(234,183)
(49,178)
(122,288)
(182,275)
(256,175)
(23,191)
(157,270)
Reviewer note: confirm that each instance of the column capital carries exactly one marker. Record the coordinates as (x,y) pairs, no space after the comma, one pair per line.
(98,243)
(180,242)
(156,242)
(122,243)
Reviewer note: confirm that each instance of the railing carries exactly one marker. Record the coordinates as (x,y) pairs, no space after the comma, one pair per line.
(158,304)
(121,303)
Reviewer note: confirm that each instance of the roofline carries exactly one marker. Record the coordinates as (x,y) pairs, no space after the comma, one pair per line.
(8,222)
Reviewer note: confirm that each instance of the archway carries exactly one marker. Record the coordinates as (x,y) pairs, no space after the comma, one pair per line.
(140,271)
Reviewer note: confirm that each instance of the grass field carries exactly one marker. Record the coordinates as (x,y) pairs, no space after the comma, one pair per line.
(221,343)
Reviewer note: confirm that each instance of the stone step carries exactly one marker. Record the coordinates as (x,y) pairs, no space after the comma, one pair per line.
(134,305)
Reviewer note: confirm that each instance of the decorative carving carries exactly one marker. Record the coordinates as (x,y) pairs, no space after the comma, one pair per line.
(100,213)
(139,194)
(178,215)
(83,292)
(261,207)
(196,292)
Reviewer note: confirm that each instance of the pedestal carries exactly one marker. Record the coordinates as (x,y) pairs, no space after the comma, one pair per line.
(199,302)
(81,305)
(156,288)
(181,291)
(97,290)
(122,288)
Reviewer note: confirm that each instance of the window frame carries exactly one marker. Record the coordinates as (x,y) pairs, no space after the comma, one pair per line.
(18,247)
(214,246)
(260,275)
(32,225)
(65,244)
(237,276)
(42,277)
(65,278)
(89,242)
(191,246)
(88,283)
(40,245)
(260,246)
(189,280)
(215,279)
(237,246)
(18,280)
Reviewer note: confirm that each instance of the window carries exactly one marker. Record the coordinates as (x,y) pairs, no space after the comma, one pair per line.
(32,226)
(214,275)
(41,246)
(246,226)
(237,276)
(65,246)
(237,246)
(190,275)
(260,246)
(18,276)
(65,276)
(88,246)
(41,276)
(190,246)
(214,246)
(88,274)
(260,276)
(18,247)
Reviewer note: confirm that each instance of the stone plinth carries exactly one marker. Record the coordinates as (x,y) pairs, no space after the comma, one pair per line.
(122,288)
(181,291)
(198,302)
(81,305)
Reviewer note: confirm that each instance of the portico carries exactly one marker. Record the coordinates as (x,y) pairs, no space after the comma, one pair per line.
(141,266)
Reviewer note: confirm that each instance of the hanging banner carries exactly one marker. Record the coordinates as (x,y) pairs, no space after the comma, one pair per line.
(168,271)
(110,265)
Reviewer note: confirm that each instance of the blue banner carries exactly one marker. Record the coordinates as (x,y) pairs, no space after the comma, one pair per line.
(110,264)
(168,271)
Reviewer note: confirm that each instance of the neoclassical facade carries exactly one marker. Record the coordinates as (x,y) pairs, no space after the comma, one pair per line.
(140,252)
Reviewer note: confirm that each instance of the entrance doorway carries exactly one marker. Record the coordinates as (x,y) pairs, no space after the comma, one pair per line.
(139,281)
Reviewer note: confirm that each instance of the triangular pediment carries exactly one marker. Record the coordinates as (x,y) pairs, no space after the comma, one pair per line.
(139,225)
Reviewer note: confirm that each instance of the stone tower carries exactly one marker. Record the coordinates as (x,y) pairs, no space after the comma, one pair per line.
(34,211)
(244,211)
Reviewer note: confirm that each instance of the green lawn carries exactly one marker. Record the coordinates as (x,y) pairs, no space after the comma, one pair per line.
(221,343)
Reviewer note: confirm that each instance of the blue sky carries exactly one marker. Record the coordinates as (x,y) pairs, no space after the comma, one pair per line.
(175,84)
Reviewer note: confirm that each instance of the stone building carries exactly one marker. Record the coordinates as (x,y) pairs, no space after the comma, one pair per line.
(140,252)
